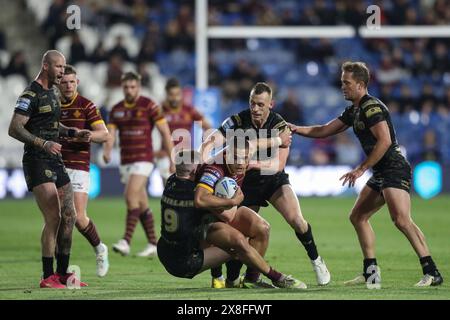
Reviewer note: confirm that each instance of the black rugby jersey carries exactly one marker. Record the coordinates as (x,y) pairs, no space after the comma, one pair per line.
(371,112)
(179,217)
(243,120)
(43,109)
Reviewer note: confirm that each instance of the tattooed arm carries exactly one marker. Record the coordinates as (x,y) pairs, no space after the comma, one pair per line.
(18,131)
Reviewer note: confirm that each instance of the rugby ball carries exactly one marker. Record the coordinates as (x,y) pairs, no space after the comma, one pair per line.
(225,188)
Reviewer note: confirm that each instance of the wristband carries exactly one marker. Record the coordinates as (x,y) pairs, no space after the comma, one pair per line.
(39,142)
(43,145)
(71,133)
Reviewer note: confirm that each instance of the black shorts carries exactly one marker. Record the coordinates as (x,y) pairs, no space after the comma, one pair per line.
(398,176)
(258,189)
(180,260)
(38,171)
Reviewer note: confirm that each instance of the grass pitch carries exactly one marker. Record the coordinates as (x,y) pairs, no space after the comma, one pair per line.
(141,278)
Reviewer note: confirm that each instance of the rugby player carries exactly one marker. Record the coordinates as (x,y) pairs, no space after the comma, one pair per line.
(77,111)
(391,180)
(134,118)
(35,122)
(264,184)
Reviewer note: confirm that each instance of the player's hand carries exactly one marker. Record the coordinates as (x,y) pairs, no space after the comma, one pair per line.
(238,197)
(107,157)
(286,138)
(351,176)
(292,127)
(52,148)
(83,135)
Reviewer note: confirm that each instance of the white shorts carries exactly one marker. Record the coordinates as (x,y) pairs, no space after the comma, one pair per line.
(141,168)
(163,165)
(80,180)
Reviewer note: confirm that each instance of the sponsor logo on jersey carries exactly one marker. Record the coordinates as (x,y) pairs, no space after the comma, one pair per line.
(46,108)
(228,124)
(209,179)
(23,104)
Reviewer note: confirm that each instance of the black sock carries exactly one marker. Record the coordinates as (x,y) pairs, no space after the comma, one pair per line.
(428,266)
(233,269)
(216,272)
(366,264)
(307,240)
(62,263)
(47,266)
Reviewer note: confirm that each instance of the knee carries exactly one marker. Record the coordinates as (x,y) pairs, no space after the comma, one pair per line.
(240,244)
(53,220)
(264,229)
(402,223)
(131,201)
(356,218)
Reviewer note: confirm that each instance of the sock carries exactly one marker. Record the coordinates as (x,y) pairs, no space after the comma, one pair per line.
(47,266)
(146,218)
(216,272)
(366,264)
(428,265)
(233,269)
(132,220)
(274,275)
(62,263)
(307,240)
(91,234)
(251,275)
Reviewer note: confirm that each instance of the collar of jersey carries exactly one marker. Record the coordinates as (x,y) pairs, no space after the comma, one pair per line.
(130,105)
(363,99)
(71,101)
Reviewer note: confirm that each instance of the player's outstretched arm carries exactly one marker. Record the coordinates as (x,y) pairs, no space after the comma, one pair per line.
(320,131)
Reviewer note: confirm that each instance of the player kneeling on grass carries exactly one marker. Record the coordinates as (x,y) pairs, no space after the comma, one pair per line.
(193,241)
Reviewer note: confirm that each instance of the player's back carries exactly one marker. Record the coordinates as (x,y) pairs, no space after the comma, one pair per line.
(179,215)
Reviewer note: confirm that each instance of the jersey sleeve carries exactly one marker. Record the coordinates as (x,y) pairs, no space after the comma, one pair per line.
(26,103)
(280,124)
(209,178)
(93,115)
(112,120)
(196,115)
(155,113)
(347,116)
(373,114)
(229,123)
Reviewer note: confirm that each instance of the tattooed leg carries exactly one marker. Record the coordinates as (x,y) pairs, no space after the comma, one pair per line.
(68,218)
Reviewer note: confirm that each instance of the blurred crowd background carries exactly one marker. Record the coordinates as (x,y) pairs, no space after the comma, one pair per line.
(157,38)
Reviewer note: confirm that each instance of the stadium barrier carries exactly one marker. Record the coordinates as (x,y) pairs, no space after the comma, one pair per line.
(429,179)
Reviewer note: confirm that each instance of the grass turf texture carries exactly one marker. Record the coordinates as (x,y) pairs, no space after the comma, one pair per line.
(142,278)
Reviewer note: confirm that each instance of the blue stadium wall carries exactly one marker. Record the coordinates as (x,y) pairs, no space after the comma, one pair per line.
(430,179)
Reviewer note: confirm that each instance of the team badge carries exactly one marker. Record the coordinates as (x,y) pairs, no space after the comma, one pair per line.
(48,173)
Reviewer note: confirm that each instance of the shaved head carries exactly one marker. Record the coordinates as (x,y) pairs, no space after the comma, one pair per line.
(51,56)
(52,69)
